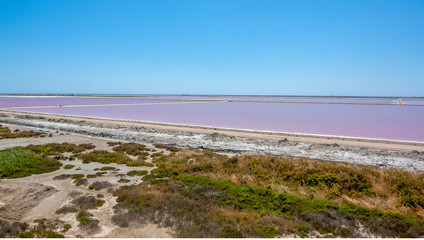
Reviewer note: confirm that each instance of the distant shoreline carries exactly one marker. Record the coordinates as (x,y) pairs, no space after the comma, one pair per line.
(194,95)
(397,101)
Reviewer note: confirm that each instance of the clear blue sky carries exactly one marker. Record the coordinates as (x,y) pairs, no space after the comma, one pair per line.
(281,47)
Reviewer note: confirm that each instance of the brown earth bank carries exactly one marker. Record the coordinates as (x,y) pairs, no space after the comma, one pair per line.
(403,155)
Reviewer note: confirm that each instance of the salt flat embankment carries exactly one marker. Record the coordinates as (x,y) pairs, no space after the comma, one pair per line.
(377,153)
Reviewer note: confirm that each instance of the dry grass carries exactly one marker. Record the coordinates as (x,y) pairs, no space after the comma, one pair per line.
(371,187)
(271,196)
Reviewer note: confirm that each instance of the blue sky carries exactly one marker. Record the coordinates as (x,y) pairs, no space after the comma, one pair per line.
(298,47)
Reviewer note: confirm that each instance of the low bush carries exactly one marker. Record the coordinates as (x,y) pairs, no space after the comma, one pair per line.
(22,163)
(158,154)
(133,173)
(104,157)
(134,149)
(113,143)
(99,185)
(167,147)
(66,209)
(5,133)
(68,166)
(107,168)
(124,180)
(99,174)
(140,162)
(42,229)
(75,194)
(203,203)
(10,229)
(77,176)
(87,202)
(67,227)
(62,176)
(87,223)
(81,181)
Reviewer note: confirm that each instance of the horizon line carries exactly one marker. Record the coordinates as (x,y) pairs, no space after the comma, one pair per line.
(211,95)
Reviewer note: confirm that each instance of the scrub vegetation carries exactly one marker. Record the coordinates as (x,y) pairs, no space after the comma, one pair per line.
(23,163)
(36,159)
(198,193)
(105,157)
(121,154)
(203,194)
(137,173)
(81,205)
(43,229)
(5,132)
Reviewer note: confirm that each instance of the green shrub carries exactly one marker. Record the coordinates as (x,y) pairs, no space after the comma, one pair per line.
(134,149)
(23,163)
(104,157)
(99,174)
(83,217)
(113,143)
(69,166)
(124,180)
(133,173)
(87,223)
(167,147)
(158,154)
(77,176)
(107,168)
(51,234)
(29,234)
(6,133)
(98,203)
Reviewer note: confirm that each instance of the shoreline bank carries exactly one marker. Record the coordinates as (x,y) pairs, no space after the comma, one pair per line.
(387,155)
(399,145)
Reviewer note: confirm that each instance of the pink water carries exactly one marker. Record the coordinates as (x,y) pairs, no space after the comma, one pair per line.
(56,101)
(281,99)
(365,121)
(414,101)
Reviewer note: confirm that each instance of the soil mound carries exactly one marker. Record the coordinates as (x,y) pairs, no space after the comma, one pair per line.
(16,199)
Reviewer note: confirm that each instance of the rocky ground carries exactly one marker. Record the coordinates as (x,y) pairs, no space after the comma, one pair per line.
(407,160)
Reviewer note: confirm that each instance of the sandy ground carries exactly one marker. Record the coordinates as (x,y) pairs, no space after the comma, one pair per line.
(39,196)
